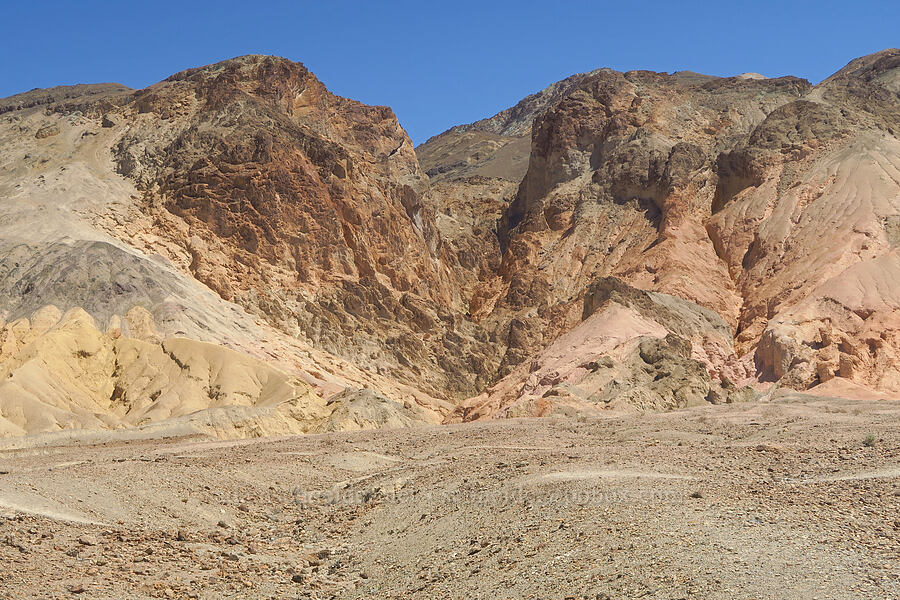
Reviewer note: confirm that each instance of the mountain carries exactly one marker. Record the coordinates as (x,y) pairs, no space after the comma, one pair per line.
(237,251)
(239,204)
(769,201)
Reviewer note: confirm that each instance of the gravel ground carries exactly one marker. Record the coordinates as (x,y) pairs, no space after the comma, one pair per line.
(795,498)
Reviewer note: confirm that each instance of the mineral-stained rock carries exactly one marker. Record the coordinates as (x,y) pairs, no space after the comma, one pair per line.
(617,240)
(621,181)
(304,208)
(633,350)
(240,205)
(804,228)
(764,200)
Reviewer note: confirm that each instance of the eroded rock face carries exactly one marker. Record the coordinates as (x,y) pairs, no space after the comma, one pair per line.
(306,209)
(621,178)
(618,240)
(59,371)
(767,201)
(241,205)
(258,153)
(804,225)
(633,350)
(621,181)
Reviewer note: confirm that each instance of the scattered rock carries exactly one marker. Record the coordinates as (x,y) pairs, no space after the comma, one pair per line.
(47,131)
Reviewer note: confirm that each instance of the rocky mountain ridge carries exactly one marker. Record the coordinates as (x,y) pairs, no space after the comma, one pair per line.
(617,241)
(647,177)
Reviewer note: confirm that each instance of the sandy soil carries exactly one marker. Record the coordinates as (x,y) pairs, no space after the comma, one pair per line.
(782,499)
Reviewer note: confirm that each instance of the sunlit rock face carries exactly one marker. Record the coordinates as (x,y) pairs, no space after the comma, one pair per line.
(616,240)
(772,202)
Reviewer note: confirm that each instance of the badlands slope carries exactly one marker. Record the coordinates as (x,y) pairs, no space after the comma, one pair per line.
(237,251)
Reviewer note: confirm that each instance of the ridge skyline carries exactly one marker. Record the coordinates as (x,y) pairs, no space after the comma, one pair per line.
(419,142)
(437,66)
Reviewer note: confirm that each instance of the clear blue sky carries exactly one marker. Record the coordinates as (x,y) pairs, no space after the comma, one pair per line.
(436,64)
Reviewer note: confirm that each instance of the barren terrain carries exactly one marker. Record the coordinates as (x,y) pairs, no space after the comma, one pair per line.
(237,246)
(236,252)
(795,496)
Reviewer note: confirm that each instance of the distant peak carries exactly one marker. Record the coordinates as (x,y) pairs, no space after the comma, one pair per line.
(248,66)
(62,94)
(516,120)
(871,66)
(692,77)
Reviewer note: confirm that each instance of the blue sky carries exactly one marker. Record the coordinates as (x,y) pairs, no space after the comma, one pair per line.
(436,64)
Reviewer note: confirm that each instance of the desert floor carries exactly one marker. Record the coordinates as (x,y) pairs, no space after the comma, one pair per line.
(798,497)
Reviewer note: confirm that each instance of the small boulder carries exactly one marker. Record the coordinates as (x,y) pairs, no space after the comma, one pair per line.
(47,131)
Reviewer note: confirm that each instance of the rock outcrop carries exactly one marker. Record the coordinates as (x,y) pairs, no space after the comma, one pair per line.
(803,222)
(306,209)
(632,350)
(241,205)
